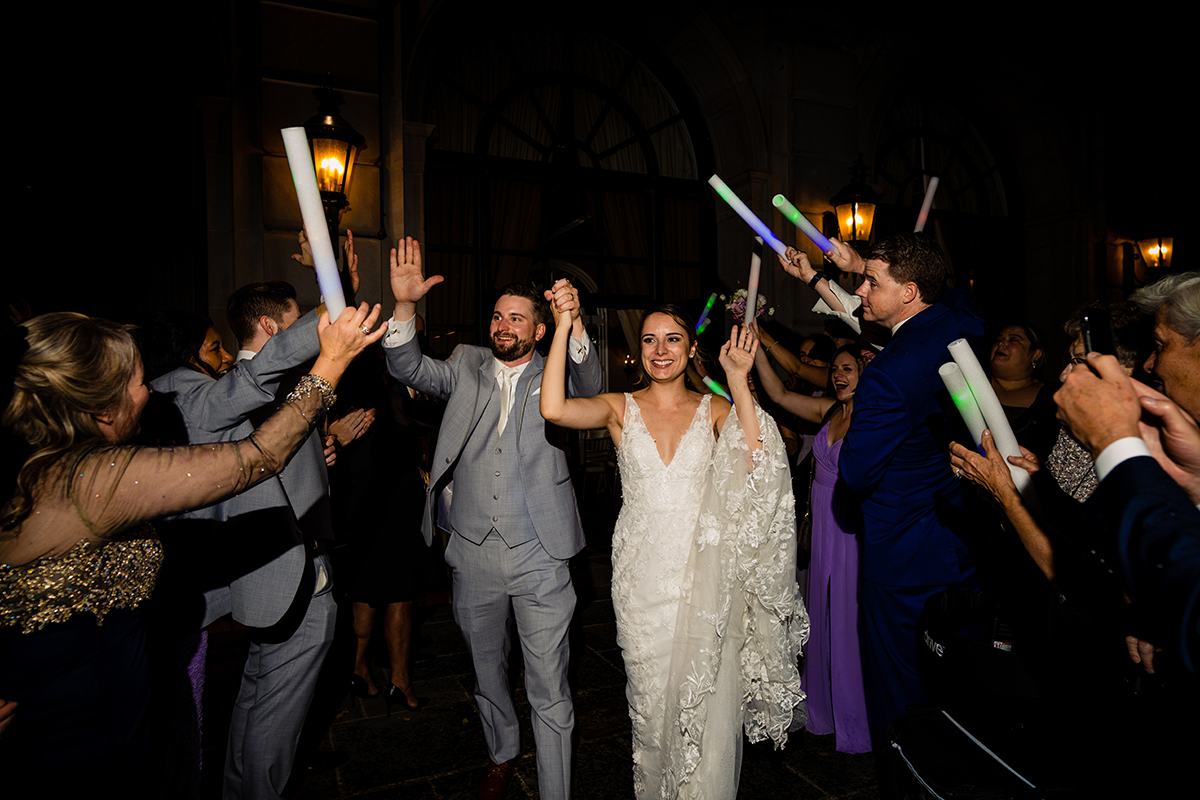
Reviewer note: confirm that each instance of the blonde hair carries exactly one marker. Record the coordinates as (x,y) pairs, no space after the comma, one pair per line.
(75,367)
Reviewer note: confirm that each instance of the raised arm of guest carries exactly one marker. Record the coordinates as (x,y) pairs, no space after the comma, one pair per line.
(796,264)
(351,280)
(817,376)
(404,358)
(93,491)
(811,409)
(990,472)
(219,405)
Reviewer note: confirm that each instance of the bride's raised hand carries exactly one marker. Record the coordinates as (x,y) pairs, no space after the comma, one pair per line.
(737,355)
(564,302)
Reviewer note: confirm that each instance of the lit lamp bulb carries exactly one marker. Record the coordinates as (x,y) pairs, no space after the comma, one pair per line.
(1156,252)
(330,175)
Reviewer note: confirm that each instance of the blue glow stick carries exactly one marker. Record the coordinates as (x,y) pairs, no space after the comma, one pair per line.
(747,215)
(715,388)
(800,221)
(702,323)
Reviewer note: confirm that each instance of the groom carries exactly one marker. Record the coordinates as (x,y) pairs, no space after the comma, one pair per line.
(513,518)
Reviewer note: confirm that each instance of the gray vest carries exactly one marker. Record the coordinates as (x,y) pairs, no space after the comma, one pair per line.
(488,493)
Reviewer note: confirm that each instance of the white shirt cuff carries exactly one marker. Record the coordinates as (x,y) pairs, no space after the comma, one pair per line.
(579,348)
(1119,451)
(400,332)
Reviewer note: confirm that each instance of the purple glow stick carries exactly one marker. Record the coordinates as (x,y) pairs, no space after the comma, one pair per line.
(747,215)
(801,222)
(925,206)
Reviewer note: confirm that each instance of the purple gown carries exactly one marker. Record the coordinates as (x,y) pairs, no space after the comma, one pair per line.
(833,667)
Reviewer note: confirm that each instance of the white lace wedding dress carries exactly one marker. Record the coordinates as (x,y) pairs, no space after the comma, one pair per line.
(708,611)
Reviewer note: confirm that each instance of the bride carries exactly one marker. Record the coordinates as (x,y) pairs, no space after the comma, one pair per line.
(708,615)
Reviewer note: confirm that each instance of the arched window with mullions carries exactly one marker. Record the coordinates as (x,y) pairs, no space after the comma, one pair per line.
(559,153)
(973,211)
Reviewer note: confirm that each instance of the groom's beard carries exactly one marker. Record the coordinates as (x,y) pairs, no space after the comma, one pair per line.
(515,349)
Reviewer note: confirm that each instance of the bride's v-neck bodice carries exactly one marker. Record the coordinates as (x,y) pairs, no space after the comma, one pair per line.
(651,544)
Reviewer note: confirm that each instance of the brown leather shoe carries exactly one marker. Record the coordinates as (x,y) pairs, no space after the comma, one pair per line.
(495,783)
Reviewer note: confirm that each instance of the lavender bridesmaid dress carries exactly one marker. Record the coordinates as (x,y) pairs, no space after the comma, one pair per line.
(833,668)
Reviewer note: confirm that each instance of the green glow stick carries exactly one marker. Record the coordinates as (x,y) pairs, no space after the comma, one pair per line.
(800,221)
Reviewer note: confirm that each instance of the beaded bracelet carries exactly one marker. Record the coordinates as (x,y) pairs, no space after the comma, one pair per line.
(314,383)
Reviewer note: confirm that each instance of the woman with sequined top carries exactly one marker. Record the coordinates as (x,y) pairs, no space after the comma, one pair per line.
(77,556)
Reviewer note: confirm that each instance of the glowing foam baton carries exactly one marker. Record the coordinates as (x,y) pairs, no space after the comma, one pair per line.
(295,141)
(751,312)
(801,222)
(964,401)
(715,388)
(746,214)
(989,405)
(925,206)
(702,323)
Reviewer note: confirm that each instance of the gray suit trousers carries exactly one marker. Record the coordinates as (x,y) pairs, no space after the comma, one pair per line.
(494,584)
(276,691)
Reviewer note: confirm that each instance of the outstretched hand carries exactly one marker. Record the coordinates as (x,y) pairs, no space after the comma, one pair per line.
(795,263)
(305,257)
(845,257)
(408,281)
(1099,407)
(988,471)
(351,261)
(737,355)
(351,333)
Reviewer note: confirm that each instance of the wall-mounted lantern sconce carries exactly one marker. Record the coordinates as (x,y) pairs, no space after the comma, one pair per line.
(334,144)
(855,206)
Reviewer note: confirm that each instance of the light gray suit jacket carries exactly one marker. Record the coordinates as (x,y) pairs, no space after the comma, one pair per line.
(466,380)
(260,547)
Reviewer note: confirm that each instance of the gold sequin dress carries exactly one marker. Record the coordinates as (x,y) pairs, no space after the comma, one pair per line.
(72,646)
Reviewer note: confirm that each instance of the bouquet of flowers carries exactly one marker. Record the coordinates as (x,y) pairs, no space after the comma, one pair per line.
(736,304)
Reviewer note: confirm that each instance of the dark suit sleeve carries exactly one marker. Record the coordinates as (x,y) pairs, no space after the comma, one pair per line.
(1158,540)
(219,405)
(880,424)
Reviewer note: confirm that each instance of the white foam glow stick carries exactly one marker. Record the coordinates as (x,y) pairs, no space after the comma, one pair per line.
(295,142)
(989,404)
(752,287)
(964,401)
(926,205)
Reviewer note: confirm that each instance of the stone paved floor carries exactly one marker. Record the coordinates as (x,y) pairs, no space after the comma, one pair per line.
(438,751)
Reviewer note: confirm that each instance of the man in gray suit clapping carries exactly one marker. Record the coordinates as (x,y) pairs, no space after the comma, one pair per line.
(513,518)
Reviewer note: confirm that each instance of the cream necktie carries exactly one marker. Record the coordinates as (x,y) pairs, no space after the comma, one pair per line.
(508,383)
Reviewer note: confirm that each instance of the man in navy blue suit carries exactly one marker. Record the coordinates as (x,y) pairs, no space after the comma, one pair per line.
(1148,465)
(891,457)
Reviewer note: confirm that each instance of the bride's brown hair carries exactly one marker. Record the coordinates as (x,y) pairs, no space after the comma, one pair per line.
(684,321)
